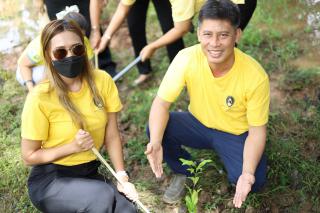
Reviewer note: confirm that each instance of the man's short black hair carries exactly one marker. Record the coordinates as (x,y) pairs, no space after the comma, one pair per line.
(220,9)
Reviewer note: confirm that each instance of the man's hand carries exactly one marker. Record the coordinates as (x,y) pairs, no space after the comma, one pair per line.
(155,155)
(244,184)
(147,52)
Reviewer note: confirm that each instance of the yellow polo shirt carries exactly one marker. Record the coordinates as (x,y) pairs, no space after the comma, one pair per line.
(34,51)
(183,9)
(230,103)
(44,118)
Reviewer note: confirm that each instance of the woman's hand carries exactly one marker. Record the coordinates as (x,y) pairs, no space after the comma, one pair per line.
(147,52)
(104,43)
(83,141)
(95,38)
(39,5)
(128,189)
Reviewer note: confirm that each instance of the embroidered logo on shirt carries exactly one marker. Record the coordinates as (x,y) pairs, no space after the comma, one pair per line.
(229,101)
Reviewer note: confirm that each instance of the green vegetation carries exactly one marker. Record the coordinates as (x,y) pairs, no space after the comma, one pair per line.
(192,196)
(293,147)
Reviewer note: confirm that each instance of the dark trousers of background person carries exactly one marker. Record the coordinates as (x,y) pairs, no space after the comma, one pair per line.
(246,11)
(55,6)
(55,189)
(137,28)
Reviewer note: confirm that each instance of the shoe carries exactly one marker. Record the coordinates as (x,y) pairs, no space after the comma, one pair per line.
(142,78)
(176,189)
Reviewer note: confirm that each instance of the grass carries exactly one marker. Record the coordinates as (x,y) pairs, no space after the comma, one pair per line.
(293,147)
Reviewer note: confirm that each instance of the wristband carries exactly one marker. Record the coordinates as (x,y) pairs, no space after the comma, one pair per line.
(122,174)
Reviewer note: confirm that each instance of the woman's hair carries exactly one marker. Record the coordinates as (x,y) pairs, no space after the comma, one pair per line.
(56,83)
(221,10)
(77,18)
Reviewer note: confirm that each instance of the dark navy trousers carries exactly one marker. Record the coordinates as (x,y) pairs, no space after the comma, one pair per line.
(184,129)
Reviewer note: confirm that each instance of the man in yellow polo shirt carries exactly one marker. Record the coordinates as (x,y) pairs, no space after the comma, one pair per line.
(228,110)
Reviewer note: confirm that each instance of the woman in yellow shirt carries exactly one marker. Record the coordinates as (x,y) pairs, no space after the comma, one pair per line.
(63,118)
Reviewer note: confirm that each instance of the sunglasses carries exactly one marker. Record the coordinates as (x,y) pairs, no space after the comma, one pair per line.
(61,52)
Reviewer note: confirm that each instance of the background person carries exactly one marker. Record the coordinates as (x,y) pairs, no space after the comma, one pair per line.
(182,13)
(136,14)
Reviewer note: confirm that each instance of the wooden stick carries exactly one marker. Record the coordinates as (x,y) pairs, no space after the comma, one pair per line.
(96,65)
(97,153)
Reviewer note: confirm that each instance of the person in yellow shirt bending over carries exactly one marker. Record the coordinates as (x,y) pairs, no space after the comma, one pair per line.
(228,109)
(62,119)
(182,14)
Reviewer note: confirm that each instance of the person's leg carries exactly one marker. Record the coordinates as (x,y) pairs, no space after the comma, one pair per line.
(137,29)
(230,150)
(66,194)
(183,129)
(53,7)
(164,13)
(246,11)
(51,189)
(122,204)
(104,58)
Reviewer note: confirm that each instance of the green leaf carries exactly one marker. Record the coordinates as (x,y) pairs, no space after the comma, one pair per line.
(204,162)
(195,180)
(186,162)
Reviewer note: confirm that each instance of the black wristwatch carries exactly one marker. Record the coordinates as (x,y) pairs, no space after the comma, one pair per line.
(25,82)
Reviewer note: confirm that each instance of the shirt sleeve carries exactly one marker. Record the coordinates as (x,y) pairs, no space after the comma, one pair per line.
(128,2)
(175,79)
(258,104)
(33,51)
(183,10)
(238,1)
(111,95)
(34,122)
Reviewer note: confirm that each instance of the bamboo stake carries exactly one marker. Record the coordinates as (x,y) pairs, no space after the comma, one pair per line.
(96,65)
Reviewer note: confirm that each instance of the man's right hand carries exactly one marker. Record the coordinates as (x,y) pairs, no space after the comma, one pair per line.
(155,155)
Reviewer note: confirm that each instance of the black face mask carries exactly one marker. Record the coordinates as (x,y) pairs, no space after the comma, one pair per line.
(70,67)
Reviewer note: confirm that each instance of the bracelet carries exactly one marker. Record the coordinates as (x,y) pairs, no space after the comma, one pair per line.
(94,27)
(30,80)
(106,36)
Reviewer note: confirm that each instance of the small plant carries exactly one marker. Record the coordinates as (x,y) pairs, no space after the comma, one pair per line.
(192,195)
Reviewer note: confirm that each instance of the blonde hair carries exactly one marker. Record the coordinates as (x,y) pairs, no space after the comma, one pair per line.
(56,83)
